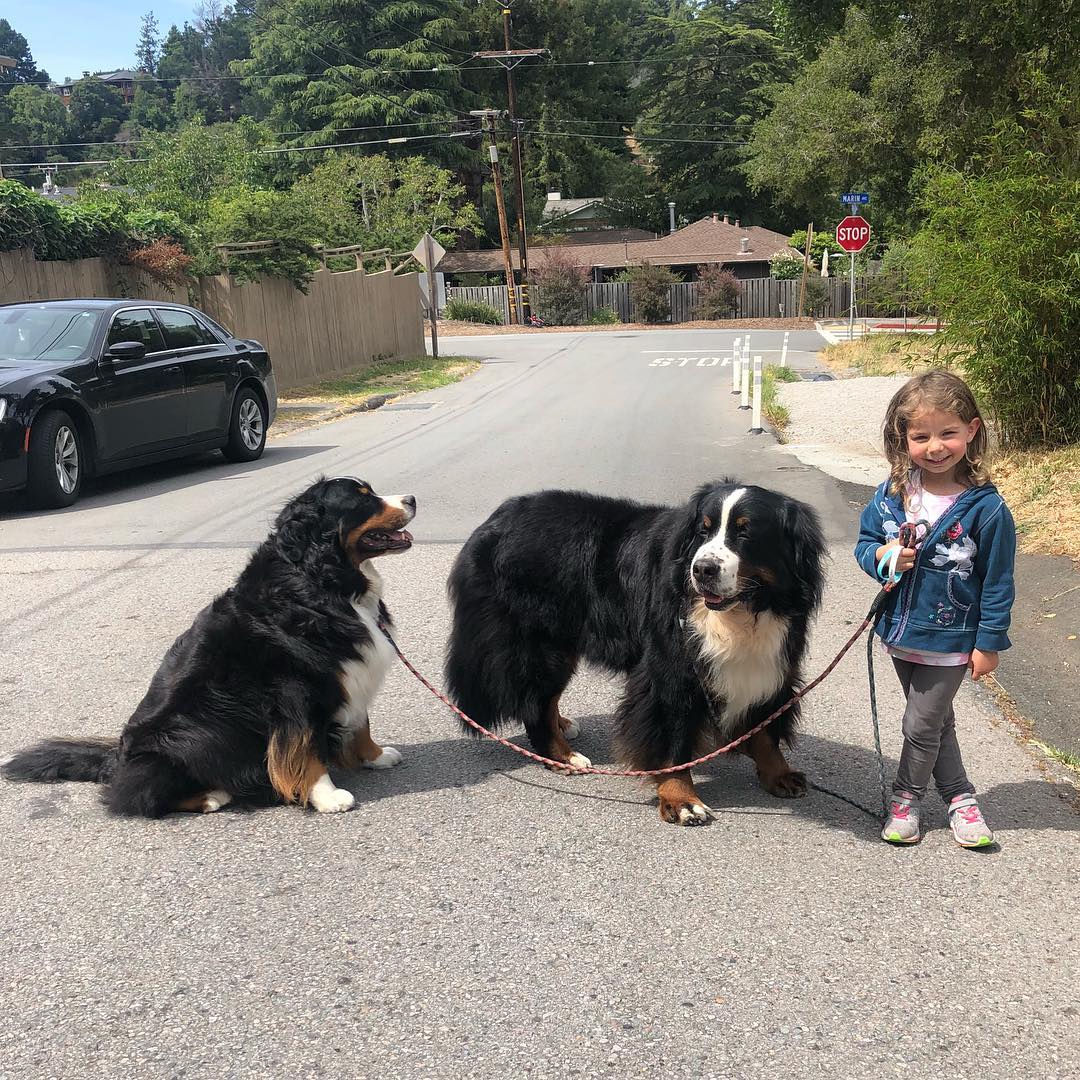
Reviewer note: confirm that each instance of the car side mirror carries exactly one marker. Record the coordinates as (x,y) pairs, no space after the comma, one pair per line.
(125,350)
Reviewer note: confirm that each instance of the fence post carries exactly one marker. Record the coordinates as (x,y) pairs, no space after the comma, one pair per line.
(736,360)
(755,423)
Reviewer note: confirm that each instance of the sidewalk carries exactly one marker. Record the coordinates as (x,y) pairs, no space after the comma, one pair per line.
(836,330)
(836,427)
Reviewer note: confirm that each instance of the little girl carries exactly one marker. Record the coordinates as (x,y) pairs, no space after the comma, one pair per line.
(950,611)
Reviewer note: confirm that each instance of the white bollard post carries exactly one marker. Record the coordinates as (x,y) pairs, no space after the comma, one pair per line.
(746,351)
(783,351)
(755,424)
(736,354)
(745,402)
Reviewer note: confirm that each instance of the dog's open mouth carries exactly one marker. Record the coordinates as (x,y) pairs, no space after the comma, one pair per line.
(720,603)
(378,540)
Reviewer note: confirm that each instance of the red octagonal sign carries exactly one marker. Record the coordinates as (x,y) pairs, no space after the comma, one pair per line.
(853,233)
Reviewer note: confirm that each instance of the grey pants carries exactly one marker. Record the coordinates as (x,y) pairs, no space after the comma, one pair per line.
(930,746)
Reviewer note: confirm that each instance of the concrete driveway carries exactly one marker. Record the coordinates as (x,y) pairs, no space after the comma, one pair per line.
(476,916)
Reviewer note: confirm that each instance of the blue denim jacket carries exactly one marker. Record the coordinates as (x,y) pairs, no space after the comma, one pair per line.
(959,594)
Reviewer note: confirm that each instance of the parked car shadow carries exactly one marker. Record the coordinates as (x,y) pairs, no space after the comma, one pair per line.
(162,478)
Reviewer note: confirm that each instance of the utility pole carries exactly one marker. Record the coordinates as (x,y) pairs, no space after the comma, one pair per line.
(488,116)
(509,58)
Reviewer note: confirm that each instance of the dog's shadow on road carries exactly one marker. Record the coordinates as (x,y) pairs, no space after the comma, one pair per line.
(728,785)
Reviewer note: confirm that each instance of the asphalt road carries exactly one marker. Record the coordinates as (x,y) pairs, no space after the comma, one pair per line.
(476,916)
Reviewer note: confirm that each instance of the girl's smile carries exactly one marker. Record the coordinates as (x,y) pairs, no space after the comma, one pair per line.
(937,441)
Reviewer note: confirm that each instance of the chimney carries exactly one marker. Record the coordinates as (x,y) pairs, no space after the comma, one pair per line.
(744,245)
(725,219)
(714,217)
(671,215)
(737,225)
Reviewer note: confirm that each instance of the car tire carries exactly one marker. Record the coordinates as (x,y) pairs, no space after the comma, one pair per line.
(247,431)
(56,461)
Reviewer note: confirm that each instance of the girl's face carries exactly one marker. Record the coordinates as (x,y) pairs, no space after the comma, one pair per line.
(937,441)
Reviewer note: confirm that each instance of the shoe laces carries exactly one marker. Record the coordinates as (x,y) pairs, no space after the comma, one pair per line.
(970,812)
(900,810)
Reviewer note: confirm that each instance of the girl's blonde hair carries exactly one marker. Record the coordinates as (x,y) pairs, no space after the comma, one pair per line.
(934,390)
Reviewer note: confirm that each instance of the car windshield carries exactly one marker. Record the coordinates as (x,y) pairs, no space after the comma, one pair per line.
(45,332)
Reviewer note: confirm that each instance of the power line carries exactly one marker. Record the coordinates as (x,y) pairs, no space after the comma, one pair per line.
(636,138)
(276,150)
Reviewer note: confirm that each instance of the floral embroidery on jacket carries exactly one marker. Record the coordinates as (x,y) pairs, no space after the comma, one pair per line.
(955,531)
(959,557)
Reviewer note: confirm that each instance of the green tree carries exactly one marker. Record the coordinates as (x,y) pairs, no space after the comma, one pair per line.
(998,258)
(380,201)
(148,48)
(322,66)
(35,117)
(701,102)
(13,44)
(97,110)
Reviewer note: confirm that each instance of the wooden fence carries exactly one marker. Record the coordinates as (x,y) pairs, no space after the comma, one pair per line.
(344,323)
(761,298)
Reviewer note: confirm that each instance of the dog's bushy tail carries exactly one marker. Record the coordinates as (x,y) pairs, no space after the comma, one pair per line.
(54,760)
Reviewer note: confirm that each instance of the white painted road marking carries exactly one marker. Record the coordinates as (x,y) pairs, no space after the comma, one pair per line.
(683,361)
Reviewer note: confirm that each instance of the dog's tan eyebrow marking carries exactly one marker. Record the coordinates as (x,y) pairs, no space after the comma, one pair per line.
(741,522)
(707,522)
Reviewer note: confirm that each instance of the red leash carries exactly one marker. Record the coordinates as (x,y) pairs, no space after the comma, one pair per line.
(564,767)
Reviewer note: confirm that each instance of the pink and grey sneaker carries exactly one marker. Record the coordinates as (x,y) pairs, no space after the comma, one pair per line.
(968,826)
(902,824)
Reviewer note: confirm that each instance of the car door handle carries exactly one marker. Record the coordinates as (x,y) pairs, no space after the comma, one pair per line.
(175,369)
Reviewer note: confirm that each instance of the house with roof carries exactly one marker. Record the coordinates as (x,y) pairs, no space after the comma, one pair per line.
(572,215)
(122,80)
(745,250)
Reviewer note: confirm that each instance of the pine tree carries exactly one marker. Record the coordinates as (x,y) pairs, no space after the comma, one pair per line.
(149,47)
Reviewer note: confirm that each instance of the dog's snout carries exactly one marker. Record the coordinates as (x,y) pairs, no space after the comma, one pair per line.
(409,501)
(706,570)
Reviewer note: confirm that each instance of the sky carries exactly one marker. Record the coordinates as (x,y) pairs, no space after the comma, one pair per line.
(68,37)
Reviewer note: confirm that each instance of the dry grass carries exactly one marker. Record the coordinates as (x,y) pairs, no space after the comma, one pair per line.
(390,377)
(884,354)
(1042,488)
(771,409)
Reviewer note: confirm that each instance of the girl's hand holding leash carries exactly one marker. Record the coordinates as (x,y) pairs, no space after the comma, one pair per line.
(904,561)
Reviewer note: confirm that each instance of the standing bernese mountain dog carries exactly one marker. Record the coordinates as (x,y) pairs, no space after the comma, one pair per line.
(271,683)
(704,608)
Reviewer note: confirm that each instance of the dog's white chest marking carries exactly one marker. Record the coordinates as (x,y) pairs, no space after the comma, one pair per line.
(361,678)
(743,656)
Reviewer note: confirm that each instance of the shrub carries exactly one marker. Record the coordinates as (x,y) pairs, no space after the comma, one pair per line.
(815,296)
(165,261)
(604,316)
(998,255)
(650,292)
(560,288)
(718,293)
(474,311)
(785,266)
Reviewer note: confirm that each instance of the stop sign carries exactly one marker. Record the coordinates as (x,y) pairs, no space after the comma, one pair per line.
(853,233)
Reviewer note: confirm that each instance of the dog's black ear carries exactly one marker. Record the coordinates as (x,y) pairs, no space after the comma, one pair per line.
(807,546)
(300,525)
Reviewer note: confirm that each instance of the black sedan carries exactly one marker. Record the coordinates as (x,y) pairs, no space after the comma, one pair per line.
(92,386)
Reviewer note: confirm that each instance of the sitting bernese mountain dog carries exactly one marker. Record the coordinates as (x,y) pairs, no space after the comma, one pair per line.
(271,683)
(704,608)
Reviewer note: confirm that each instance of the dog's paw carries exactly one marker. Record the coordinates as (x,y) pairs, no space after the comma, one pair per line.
(685,813)
(571,729)
(332,801)
(786,785)
(386,760)
(215,800)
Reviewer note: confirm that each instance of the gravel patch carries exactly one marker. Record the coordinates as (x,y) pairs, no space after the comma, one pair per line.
(836,425)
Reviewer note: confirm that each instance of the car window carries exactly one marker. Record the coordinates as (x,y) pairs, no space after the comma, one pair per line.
(183,330)
(46,332)
(137,325)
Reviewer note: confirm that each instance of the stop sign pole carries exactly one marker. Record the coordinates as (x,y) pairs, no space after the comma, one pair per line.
(852,234)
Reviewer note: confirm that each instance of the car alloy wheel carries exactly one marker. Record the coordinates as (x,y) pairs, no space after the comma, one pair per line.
(251,424)
(66,459)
